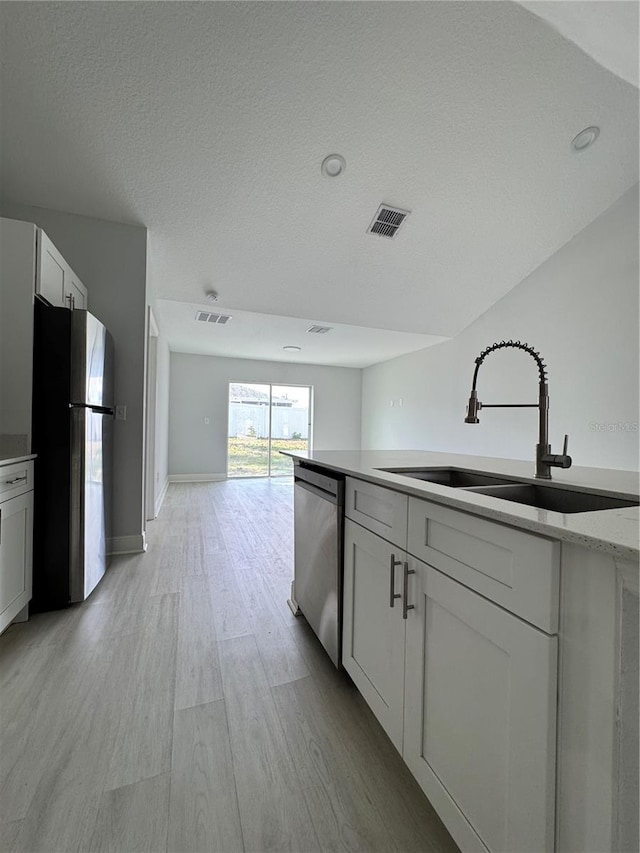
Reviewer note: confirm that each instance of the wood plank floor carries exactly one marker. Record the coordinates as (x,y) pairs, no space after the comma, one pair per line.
(184,708)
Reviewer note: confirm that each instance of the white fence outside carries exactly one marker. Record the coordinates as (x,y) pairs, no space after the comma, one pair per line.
(252,419)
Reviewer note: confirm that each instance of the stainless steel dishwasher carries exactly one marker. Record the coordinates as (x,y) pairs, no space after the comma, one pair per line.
(316,591)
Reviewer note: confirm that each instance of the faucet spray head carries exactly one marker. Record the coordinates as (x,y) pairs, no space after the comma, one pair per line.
(472,410)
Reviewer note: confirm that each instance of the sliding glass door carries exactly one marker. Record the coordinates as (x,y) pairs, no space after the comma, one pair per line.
(264,419)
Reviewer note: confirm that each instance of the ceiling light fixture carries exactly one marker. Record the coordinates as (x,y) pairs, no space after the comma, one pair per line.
(333,165)
(211,296)
(585,138)
(292,349)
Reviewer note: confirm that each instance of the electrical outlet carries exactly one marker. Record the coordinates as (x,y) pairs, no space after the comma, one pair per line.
(206,420)
(121,413)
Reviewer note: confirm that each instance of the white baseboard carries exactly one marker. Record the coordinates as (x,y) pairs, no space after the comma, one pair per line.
(160,497)
(196,478)
(127,544)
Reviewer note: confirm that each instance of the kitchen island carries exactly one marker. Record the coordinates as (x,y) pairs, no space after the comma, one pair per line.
(497,643)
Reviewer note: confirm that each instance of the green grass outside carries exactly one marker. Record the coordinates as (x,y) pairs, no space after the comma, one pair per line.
(249,456)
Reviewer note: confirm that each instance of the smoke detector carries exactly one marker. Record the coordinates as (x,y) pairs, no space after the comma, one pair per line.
(211,296)
(333,165)
(387,221)
(585,138)
(207,317)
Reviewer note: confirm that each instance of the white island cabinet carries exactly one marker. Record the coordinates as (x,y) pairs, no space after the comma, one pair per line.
(16,535)
(373,629)
(465,689)
(498,646)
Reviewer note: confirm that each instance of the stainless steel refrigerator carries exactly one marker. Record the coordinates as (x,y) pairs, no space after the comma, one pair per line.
(73,439)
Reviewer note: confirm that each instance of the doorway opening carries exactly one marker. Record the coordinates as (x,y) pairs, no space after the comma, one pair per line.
(264,419)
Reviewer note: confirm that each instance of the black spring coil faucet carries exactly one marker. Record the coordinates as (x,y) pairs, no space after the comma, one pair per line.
(545,460)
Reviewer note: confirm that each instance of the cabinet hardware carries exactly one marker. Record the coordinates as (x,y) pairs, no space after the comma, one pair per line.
(16,480)
(406,607)
(392,579)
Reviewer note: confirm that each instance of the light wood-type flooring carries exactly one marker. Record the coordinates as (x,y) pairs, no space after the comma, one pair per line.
(184,708)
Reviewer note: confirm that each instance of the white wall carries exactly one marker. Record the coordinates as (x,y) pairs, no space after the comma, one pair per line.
(17,275)
(580,311)
(162,416)
(199,388)
(110,258)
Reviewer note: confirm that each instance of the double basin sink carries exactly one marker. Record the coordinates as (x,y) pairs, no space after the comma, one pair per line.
(552,497)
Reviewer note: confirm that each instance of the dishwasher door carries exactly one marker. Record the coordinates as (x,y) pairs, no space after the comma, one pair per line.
(318,560)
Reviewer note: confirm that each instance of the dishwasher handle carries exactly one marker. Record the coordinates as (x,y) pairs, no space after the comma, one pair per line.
(325,486)
(320,493)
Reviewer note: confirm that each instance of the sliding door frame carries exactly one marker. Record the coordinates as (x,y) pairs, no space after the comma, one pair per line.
(271,386)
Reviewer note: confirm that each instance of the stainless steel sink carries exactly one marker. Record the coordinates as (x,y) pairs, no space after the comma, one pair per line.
(453,477)
(556,499)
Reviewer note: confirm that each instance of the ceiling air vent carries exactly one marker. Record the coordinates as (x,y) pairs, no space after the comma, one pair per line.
(319,330)
(387,221)
(208,317)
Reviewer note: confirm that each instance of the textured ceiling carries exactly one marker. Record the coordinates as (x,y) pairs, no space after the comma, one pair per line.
(249,335)
(607,30)
(207,122)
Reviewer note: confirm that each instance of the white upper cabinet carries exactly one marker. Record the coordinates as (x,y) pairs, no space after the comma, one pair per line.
(55,280)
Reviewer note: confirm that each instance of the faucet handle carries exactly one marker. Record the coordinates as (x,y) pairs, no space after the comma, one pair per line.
(562,460)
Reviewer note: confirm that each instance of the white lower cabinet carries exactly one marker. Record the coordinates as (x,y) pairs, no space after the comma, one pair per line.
(480,716)
(16,524)
(466,690)
(373,631)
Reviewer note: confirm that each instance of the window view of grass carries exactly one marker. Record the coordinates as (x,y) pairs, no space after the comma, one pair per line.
(257,411)
(249,455)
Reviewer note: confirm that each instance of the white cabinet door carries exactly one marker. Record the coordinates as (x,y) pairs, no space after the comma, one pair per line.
(16,524)
(75,289)
(51,272)
(373,631)
(55,280)
(480,717)
(380,510)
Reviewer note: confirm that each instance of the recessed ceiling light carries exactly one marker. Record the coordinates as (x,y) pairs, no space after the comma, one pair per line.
(292,349)
(585,138)
(333,165)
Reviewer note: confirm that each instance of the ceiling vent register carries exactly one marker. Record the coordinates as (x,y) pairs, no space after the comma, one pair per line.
(319,330)
(387,221)
(208,317)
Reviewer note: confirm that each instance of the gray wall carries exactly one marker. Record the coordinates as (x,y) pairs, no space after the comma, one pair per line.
(580,310)
(199,389)
(162,416)
(110,258)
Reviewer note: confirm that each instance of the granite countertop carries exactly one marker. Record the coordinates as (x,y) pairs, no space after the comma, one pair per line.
(10,460)
(615,531)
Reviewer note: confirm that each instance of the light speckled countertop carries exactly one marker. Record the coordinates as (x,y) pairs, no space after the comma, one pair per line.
(615,531)
(10,460)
